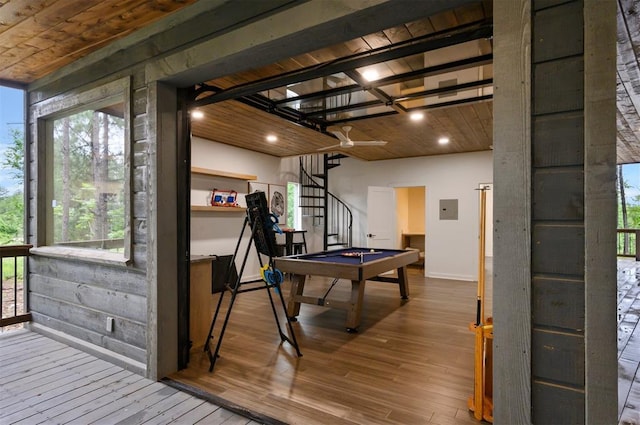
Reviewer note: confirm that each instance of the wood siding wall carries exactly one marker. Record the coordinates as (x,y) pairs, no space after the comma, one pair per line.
(557,263)
(73,295)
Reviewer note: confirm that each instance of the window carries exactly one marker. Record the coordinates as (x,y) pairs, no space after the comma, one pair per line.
(87,174)
(294,219)
(88,178)
(11,166)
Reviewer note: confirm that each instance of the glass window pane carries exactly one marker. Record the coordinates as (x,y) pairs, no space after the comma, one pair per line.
(11,166)
(88,176)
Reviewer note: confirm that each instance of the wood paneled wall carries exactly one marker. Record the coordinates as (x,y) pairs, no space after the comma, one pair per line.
(559,211)
(76,295)
(557,263)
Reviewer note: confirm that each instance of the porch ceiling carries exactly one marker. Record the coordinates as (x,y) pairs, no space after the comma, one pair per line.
(440,65)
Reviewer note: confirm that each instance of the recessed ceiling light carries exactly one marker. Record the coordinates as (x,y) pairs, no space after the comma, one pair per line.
(370,75)
(443,140)
(272,138)
(416,116)
(197,114)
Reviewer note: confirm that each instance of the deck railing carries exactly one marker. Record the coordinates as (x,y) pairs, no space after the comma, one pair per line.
(629,243)
(13,297)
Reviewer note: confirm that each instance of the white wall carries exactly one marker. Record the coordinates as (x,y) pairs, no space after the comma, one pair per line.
(217,232)
(451,245)
(451,249)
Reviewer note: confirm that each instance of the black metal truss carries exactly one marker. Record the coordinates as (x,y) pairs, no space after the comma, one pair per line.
(249,93)
(399,50)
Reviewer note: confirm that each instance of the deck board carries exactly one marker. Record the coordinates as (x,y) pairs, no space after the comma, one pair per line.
(44,381)
(628,342)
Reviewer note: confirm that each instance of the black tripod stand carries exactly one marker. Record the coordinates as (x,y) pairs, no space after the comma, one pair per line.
(263,238)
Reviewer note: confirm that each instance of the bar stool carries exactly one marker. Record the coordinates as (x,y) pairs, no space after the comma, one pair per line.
(299,246)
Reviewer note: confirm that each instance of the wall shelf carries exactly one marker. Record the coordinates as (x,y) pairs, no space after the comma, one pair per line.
(218,173)
(225,174)
(209,208)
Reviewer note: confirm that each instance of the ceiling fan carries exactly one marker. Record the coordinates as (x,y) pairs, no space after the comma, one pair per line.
(346,142)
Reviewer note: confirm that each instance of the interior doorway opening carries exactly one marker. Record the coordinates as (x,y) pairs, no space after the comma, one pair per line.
(411,220)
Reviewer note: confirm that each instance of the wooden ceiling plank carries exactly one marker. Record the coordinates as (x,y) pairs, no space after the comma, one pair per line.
(377,40)
(42,20)
(420,28)
(106,21)
(398,34)
(470,13)
(348,63)
(16,11)
(14,56)
(47,61)
(628,88)
(444,20)
(21,33)
(70,29)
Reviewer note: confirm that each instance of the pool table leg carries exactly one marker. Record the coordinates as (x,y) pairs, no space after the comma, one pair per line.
(354,313)
(297,287)
(403,282)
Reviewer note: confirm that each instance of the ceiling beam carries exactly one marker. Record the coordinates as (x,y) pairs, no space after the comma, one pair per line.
(419,45)
(375,91)
(399,78)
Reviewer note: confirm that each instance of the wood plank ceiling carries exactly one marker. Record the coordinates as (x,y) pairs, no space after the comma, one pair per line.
(440,66)
(38,37)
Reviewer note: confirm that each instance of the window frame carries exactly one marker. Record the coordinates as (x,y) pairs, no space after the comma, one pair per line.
(44,114)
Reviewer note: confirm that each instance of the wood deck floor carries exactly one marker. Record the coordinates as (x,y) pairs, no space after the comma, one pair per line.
(411,363)
(45,382)
(628,342)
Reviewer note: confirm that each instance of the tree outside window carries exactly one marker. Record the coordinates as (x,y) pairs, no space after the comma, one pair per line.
(87,196)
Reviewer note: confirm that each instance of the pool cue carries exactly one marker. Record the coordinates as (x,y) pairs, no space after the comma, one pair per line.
(477,400)
(481,254)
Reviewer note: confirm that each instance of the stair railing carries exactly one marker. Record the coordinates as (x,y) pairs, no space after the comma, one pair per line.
(315,200)
(340,223)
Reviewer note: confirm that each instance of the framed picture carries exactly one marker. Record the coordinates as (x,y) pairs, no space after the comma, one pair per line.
(259,187)
(278,202)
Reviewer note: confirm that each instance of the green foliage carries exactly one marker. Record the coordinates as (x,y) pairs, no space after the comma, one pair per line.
(9,268)
(14,155)
(88,177)
(12,205)
(11,218)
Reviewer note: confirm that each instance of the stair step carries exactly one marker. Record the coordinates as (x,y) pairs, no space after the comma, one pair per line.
(322,176)
(332,234)
(314,186)
(312,196)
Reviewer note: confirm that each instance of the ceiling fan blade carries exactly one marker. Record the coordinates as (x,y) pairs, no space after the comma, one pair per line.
(340,136)
(329,147)
(369,143)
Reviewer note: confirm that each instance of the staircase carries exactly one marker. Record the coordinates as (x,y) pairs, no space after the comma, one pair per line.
(317,202)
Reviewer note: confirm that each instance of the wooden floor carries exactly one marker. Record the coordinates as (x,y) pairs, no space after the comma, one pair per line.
(411,362)
(45,382)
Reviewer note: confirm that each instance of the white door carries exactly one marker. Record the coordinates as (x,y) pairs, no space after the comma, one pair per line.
(381,217)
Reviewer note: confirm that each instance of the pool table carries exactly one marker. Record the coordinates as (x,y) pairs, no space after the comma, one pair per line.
(343,264)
